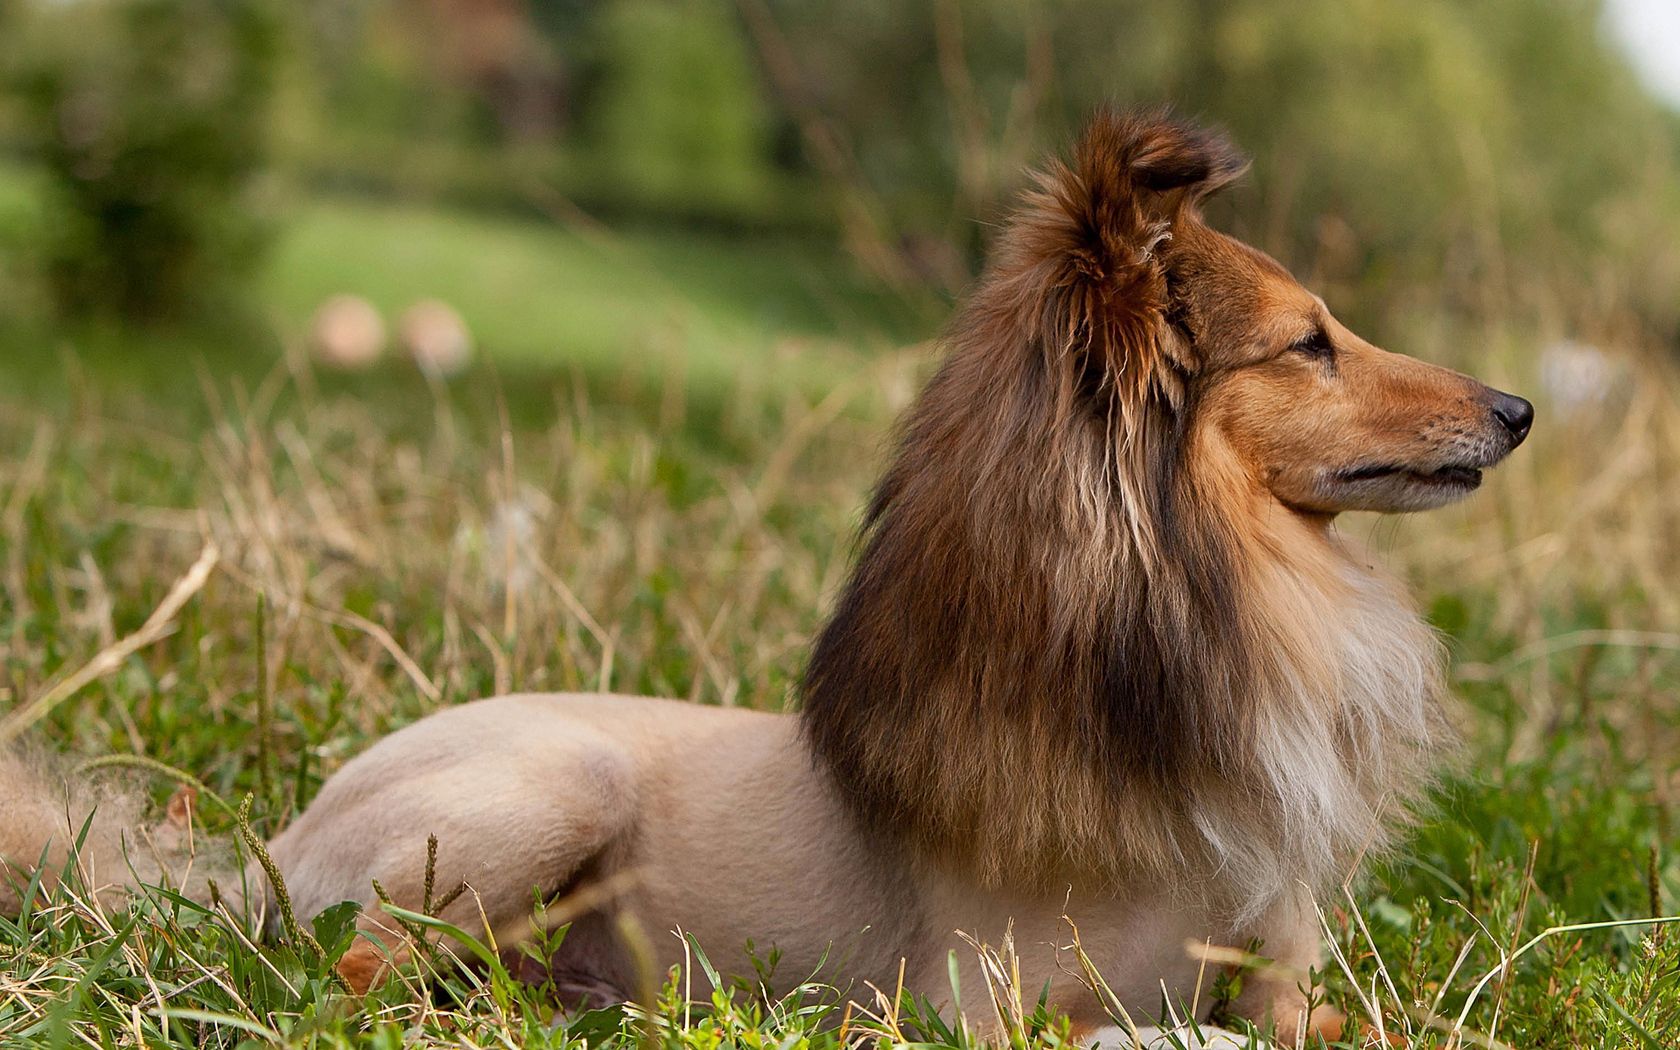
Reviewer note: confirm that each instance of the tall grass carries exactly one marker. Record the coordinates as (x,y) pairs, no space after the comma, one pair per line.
(385,549)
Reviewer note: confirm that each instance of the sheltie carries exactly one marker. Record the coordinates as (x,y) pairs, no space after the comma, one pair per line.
(1103,658)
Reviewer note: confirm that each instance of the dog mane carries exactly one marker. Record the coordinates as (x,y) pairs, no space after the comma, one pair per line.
(1065,654)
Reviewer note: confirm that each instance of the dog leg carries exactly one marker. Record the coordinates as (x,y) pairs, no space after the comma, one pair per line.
(511,828)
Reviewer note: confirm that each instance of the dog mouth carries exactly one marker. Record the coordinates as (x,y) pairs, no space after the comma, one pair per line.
(1452,477)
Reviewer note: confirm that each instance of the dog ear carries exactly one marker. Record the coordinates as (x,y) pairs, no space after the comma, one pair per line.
(1131,177)
(1092,231)
(1168,155)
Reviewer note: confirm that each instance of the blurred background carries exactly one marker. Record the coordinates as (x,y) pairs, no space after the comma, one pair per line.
(617,184)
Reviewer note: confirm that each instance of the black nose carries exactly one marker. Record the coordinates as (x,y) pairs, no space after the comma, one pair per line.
(1514,413)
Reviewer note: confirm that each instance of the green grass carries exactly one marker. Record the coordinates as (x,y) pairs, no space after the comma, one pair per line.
(702,524)
(541,293)
(635,312)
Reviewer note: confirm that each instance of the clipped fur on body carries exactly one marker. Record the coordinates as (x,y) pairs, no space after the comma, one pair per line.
(1079,646)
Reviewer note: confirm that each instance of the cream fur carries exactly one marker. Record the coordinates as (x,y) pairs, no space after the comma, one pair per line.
(715,822)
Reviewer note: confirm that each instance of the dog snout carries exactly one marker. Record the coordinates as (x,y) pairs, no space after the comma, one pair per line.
(1515,414)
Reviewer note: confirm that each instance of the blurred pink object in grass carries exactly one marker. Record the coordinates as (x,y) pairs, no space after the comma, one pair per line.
(347,332)
(433,333)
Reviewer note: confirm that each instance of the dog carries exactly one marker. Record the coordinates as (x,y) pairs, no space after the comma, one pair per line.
(1103,659)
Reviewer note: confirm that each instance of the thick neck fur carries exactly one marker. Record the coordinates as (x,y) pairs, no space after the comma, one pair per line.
(1081,646)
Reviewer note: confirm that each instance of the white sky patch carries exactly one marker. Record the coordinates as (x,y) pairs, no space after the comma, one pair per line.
(1650,32)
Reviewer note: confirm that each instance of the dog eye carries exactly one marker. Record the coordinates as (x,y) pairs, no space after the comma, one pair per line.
(1315,345)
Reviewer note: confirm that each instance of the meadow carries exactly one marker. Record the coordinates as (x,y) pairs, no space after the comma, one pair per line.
(223,565)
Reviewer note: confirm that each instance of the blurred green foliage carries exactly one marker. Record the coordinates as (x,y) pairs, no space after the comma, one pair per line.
(1481,155)
(681,120)
(148,119)
(1396,143)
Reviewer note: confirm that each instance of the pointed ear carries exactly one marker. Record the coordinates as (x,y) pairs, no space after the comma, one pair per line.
(1092,230)
(1131,176)
(1167,154)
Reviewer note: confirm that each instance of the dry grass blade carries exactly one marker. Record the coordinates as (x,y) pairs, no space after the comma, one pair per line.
(361,624)
(1001,969)
(108,659)
(1093,979)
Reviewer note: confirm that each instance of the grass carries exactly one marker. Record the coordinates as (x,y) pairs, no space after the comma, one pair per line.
(709,304)
(386,547)
(634,311)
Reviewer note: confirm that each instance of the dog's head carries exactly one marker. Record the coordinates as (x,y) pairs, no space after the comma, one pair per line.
(1323,419)
(1158,304)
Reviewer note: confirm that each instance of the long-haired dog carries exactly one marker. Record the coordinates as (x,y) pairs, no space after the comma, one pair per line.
(1103,656)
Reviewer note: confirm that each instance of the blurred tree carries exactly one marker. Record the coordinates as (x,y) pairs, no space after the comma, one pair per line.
(1398,144)
(1406,151)
(149,117)
(679,118)
(494,49)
